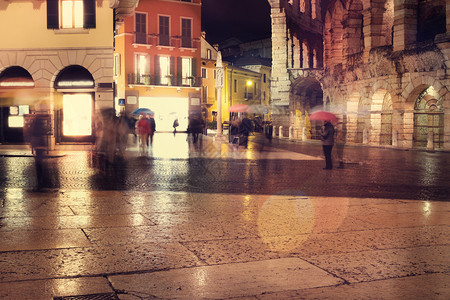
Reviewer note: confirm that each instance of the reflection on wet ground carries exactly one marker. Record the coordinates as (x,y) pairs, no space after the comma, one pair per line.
(173,163)
(214,221)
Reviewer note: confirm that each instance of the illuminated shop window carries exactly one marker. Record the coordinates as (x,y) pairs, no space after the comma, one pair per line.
(72,14)
(15,118)
(77,115)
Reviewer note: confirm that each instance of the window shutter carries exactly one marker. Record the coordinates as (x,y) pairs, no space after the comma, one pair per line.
(172,69)
(52,14)
(194,67)
(179,70)
(157,70)
(89,13)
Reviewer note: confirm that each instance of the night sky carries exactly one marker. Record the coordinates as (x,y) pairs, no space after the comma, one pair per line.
(247,20)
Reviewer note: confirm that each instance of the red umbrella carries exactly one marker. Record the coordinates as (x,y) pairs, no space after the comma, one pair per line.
(323,116)
(239,108)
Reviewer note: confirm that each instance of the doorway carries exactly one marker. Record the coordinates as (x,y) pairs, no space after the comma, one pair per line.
(76,117)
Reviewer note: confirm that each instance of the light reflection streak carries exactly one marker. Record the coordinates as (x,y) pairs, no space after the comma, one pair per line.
(247,213)
(426,209)
(201,277)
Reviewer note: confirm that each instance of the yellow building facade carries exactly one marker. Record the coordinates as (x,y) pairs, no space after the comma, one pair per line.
(59,62)
(247,84)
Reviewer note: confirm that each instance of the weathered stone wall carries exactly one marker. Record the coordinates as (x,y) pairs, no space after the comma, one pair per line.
(373,83)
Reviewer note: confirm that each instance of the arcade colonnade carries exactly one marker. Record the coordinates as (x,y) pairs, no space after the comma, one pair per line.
(381,66)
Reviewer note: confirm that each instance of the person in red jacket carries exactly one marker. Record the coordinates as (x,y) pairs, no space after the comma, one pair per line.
(143,130)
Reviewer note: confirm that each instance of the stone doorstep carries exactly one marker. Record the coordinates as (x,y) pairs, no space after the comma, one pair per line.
(229,280)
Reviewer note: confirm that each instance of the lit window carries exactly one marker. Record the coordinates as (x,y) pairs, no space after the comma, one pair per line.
(186,68)
(141,64)
(142,68)
(72,14)
(15,118)
(164,64)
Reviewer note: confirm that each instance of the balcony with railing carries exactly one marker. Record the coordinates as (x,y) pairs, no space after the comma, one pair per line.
(147,79)
(164,41)
(139,79)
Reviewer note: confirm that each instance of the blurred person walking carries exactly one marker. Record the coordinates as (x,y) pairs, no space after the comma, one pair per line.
(195,126)
(124,129)
(151,120)
(38,134)
(245,128)
(143,130)
(327,136)
(341,134)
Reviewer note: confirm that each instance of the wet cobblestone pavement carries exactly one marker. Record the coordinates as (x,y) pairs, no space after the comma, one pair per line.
(220,222)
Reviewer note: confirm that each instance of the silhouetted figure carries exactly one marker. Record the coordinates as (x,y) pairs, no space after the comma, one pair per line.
(196,126)
(38,141)
(245,128)
(327,136)
(175,125)
(152,122)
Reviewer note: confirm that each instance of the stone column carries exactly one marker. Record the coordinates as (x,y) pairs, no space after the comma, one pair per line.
(280,83)
(405,23)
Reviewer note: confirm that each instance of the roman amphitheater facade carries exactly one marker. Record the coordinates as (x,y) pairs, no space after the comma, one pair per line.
(383,67)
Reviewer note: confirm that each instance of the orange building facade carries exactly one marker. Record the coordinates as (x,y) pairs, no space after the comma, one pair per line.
(157,61)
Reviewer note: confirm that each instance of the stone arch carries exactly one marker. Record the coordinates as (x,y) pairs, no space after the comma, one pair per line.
(80,77)
(353,42)
(381,118)
(15,76)
(333,35)
(381,114)
(306,95)
(431,19)
(305,61)
(428,120)
(74,104)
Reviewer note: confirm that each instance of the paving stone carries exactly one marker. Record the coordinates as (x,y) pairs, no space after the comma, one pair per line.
(383,264)
(93,261)
(47,289)
(428,286)
(226,281)
(18,240)
(71,222)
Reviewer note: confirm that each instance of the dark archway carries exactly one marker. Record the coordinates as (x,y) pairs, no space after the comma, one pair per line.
(306,95)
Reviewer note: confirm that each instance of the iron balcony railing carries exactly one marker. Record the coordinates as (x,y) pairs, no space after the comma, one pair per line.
(147,79)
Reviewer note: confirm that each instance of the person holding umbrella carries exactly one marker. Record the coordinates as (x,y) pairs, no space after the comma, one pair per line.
(143,129)
(327,136)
